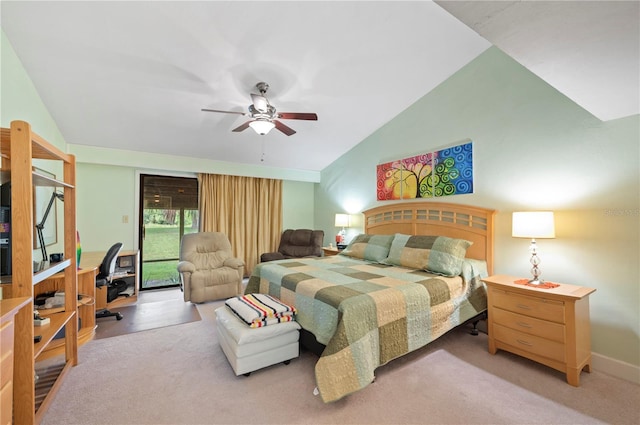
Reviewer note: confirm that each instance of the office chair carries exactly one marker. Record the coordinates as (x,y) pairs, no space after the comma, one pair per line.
(105,275)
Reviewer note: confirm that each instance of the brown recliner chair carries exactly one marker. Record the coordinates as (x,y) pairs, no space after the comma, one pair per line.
(207,268)
(297,244)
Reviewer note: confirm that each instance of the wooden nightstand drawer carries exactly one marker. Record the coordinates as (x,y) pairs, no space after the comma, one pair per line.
(529,343)
(529,325)
(531,306)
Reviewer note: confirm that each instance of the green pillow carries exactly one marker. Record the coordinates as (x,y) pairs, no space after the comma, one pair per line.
(369,247)
(435,254)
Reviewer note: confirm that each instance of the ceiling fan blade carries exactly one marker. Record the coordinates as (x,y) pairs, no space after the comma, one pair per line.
(260,102)
(242,127)
(298,116)
(224,112)
(286,130)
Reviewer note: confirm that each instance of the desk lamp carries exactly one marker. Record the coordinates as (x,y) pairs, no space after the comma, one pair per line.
(40,226)
(533,224)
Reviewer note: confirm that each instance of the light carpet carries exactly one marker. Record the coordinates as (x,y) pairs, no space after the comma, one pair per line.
(179,375)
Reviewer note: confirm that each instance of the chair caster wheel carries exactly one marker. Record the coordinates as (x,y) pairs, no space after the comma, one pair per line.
(119,316)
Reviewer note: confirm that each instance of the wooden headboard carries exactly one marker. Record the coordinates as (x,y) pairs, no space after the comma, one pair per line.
(436,219)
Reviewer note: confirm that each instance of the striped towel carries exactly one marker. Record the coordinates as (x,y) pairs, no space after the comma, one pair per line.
(258,310)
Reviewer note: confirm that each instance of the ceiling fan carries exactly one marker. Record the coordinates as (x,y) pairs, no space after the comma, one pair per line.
(264,116)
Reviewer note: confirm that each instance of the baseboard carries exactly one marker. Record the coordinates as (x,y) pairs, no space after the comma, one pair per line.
(616,368)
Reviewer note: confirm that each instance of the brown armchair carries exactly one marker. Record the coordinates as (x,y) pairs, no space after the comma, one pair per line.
(297,244)
(207,268)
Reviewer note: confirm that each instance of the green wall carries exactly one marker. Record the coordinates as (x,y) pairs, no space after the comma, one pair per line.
(19,100)
(534,149)
(298,210)
(105,195)
(108,196)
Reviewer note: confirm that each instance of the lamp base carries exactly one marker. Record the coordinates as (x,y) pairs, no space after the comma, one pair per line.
(536,282)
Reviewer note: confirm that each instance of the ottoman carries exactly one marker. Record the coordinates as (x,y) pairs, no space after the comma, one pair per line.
(248,349)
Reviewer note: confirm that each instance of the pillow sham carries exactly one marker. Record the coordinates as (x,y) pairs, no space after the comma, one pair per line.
(369,247)
(435,254)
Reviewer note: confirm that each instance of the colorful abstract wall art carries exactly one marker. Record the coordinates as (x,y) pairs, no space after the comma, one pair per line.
(442,173)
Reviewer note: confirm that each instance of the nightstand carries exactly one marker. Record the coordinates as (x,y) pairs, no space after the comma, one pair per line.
(550,326)
(328,251)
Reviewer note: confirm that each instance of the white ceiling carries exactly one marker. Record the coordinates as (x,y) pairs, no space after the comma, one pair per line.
(588,50)
(134,75)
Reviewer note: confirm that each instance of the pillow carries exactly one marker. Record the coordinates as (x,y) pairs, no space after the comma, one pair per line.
(435,254)
(369,247)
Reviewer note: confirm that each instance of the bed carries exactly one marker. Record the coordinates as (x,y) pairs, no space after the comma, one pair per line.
(413,275)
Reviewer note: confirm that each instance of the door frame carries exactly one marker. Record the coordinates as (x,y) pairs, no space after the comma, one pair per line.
(140,204)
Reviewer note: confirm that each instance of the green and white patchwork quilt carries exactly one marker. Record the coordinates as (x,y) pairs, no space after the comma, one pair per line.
(366,313)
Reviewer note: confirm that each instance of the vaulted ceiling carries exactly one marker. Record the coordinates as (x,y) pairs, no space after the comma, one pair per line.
(135,75)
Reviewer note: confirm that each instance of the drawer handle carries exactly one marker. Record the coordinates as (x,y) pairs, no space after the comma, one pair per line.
(527,343)
(524,325)
(523,306)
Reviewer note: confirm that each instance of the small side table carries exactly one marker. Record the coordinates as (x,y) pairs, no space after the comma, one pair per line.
(550,326)
(330,250)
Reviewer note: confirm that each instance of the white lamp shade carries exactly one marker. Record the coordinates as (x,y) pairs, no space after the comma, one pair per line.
(262,127)
(533,225)
(342,220)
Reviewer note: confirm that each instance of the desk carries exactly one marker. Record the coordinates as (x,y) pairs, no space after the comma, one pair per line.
(93,298)
(127,269)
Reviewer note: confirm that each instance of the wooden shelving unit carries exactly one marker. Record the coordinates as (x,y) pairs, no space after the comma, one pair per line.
(8,310)
(86,307)
(19,147)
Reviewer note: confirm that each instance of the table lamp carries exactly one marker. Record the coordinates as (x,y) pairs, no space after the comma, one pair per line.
(40,226)
(342,220)
(533,224)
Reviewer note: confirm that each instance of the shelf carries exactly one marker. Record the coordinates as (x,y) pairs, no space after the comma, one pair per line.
(57,346)
(43,180)
(46,378)
(50,379)
(19,146)
(40,148)
(51,270)
(123,301)
(122,275)
(12,305)
(48,271)
(58,321)
(37,178)
(85,300)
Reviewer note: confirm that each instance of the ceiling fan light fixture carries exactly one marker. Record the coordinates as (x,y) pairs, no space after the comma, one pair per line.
(263,116)
(262,127)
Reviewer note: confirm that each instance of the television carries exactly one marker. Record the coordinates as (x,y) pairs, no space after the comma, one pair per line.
(5,229)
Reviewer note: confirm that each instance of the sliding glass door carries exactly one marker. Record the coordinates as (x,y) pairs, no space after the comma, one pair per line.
(169,209)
